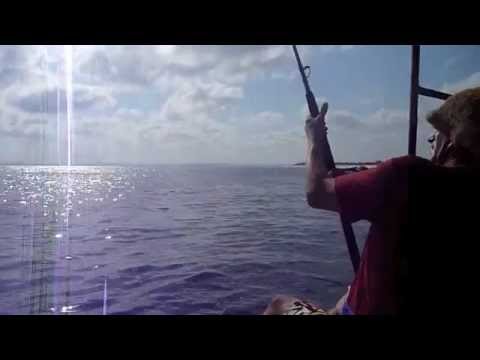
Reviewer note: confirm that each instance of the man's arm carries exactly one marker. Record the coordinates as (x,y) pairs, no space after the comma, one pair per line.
(358,195)
(320,184)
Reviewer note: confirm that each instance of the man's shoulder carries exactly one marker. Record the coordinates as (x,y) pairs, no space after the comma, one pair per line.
(400,169)
(415,168)
(410,161)
(420,168)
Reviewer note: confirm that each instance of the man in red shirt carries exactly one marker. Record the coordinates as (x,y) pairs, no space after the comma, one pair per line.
(403,198)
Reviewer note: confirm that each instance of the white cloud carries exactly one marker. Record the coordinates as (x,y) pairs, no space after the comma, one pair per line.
(378,121)
(330,48)
(41,99)
(450,62)
(191,92)
(367,101)
(290,75)
(129,113)
(472,80)
(144,65)
(387,119)
(343,119)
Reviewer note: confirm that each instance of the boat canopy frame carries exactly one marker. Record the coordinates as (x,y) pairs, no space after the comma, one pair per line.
(415,91)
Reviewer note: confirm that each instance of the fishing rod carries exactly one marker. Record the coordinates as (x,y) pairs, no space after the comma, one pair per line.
(328,158)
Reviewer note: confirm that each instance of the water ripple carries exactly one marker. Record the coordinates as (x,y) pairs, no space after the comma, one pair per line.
(210,239)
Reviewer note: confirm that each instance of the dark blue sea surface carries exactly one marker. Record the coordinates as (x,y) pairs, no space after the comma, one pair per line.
(172,239)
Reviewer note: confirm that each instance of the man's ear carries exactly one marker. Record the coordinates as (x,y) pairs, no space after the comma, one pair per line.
(443,146)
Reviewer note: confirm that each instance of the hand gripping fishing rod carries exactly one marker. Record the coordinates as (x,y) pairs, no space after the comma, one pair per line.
(329,161)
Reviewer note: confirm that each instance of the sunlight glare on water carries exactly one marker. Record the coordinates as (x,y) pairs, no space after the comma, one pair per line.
(69,92)
(51,193)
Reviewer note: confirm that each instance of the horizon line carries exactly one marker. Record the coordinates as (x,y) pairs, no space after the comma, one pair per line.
(179,163)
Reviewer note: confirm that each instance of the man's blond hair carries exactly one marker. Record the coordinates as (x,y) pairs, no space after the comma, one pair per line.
(459,119)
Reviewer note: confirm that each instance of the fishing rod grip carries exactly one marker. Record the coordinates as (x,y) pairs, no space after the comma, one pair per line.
(352,246)
(312,104)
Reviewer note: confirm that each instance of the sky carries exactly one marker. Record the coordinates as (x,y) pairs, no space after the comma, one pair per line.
(241,104)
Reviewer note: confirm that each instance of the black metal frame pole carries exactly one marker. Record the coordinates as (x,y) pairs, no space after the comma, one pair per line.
(414,87)
(415,91)
(432,93)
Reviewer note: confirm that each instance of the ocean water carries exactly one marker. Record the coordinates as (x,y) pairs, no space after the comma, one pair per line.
(172,239)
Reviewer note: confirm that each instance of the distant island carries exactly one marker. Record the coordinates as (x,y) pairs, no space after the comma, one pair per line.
(365,163)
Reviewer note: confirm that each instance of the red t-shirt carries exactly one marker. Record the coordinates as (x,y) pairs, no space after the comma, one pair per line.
(416,209)
(378,195)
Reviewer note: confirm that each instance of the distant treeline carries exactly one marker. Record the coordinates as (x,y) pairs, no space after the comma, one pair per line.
(365,163)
